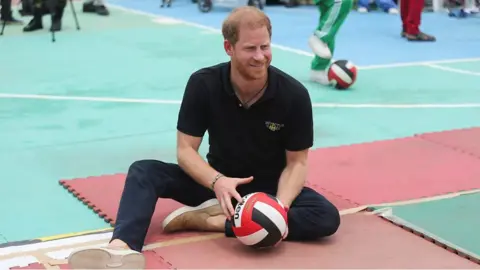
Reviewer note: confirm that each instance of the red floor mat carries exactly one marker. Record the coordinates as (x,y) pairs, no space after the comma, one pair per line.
(464,140)
(362,242)
(103,194)
(340,203)
(30,266)
(393,170)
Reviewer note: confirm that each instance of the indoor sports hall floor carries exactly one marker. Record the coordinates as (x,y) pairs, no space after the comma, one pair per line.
(99,98)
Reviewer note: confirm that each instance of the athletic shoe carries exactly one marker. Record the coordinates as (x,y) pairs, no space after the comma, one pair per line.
(106,258)
(194,218)
(319,76)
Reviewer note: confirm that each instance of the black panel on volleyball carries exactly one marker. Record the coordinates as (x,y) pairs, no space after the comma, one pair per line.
(274,233)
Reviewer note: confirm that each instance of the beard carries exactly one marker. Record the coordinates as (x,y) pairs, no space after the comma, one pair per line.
(251,73)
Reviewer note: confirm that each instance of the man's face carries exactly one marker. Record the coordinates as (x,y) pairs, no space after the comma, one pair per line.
(251,55)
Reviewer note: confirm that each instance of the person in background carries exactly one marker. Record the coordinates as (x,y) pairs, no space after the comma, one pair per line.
(89,6)
(332,16)
(388,6)
(411,14)
(462,10)
(6,13)
(42,7)
(470,7)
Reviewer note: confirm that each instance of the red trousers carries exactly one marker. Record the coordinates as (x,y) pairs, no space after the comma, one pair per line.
(411,13)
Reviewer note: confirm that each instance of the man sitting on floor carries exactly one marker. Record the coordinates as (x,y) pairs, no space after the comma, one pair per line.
(260,128)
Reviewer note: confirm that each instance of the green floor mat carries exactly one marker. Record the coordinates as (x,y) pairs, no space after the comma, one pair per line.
(454,222)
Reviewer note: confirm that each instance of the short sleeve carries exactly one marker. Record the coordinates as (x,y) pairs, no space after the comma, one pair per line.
(299,130)
(194,114)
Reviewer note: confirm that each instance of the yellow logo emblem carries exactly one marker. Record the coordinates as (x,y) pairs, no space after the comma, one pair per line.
(273,126)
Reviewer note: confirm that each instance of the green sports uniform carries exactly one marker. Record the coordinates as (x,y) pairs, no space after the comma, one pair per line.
(332,15)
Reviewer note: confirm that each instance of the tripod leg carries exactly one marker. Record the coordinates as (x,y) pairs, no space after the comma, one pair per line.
(53,7)
(3,27)
(74,14)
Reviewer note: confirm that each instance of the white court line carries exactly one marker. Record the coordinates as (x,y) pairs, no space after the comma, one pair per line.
(93,99)
(160,18)
(177,102)
(456,70)
(421,63)
(20,261)
(55,243)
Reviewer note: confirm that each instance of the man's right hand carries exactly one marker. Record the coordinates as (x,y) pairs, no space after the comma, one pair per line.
(225,188)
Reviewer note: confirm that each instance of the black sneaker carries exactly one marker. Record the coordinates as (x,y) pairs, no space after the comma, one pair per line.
(34,25)
(420,37)
(102,10)
(99,9)
(88,7)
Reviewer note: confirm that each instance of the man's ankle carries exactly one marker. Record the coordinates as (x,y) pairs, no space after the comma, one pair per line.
(118,244)
(216,223)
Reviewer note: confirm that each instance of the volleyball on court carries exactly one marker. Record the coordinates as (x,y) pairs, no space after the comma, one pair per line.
(260,220)
(342,74)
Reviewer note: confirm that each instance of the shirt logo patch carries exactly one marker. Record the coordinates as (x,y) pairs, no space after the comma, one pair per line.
(273,126)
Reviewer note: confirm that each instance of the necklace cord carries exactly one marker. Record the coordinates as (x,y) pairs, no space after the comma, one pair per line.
(246,103)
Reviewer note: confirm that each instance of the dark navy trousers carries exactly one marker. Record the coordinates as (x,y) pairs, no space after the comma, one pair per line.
(311,216)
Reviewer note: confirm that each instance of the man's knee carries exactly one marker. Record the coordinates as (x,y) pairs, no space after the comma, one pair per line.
(327,219)
(141,166)
(313,217)
(320,222)
(144,170)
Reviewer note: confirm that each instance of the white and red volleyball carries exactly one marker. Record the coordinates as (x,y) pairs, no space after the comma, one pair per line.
(260,221)
(342,74)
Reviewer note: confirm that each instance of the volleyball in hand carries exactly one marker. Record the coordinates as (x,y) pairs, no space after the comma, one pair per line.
(260,221)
